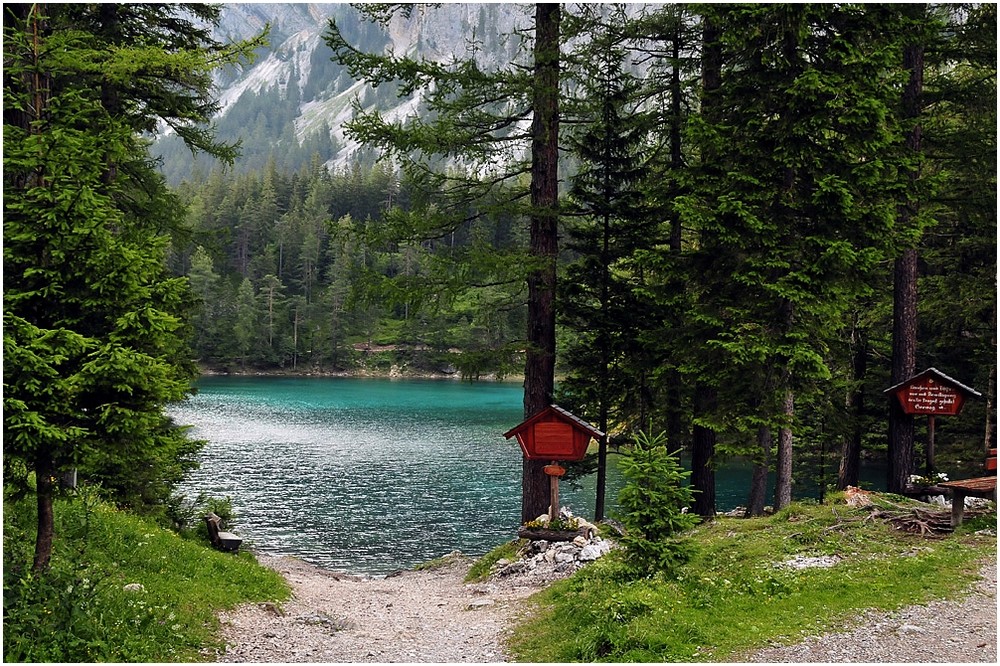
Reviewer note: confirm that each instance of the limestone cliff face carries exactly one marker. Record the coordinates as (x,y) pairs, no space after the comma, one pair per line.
(304,95)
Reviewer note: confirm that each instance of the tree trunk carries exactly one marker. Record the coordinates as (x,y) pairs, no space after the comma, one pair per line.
(849,473)
(703,454)
(39,83)
(783,463)
(703,439)
(904,301)
(990,399)
(602,475)
(674,380)
(758,478)
(904,365)
(539,370)
(783,458)
(45,484)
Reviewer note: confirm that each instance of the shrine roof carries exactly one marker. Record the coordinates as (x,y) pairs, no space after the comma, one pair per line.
(560,413)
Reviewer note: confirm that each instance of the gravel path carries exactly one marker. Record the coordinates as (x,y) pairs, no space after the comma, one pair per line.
(413,616)
(433,616)
(961,631)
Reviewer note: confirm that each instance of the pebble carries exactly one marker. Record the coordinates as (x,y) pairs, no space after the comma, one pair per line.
(434,616)
(414,617)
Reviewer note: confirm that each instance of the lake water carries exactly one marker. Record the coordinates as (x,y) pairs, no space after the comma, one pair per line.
(373,475)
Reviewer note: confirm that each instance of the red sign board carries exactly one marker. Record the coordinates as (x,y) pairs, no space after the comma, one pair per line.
(933,393)
(554,434)
(930,397)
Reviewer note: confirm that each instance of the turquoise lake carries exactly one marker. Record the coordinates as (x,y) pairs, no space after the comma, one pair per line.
(373,475)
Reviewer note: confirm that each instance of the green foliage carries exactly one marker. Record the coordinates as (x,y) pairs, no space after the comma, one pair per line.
(80,610)
(652,507)
(324,268)
(480,569)
(734,596)
(91,316)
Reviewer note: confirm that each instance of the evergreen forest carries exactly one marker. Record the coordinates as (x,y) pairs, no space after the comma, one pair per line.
(745,195)
(720,228)
(735,225)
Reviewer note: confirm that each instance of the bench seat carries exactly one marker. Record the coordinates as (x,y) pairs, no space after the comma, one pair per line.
(226,541)
(982,486)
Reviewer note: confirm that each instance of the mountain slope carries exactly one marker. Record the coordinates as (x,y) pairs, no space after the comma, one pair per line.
(292,102)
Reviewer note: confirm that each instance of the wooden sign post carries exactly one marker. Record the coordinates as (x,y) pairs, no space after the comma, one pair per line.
(933,393)
(554,471)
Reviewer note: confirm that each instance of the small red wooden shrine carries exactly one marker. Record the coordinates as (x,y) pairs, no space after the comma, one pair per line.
(554,434)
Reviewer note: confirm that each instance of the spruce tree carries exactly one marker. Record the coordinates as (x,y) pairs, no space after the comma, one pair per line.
(610,222)
(799,216)
(94,332)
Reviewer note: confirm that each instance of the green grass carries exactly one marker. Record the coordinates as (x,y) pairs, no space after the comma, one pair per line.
(481,567)
(731,598)
(81,610)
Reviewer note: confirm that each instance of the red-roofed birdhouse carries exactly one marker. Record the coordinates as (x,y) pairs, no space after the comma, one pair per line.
(554,434)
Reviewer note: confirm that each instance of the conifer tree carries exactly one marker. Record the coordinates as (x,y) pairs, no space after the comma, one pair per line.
(799,216)
(611,222)
(94,336)
(477,121)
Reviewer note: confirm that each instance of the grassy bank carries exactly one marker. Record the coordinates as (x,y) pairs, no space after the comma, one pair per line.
(119,588)
(736,595)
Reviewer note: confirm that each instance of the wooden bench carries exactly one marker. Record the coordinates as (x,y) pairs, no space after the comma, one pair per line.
(983,486)
(226,541)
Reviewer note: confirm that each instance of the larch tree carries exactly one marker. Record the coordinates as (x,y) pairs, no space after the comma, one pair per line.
(949,205)
(904,290)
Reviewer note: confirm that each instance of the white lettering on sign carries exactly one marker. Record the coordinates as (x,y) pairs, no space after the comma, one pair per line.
(931,398)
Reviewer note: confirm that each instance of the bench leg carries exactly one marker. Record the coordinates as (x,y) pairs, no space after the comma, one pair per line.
(957,507)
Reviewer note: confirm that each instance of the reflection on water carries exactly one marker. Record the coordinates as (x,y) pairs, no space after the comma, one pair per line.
(373,475)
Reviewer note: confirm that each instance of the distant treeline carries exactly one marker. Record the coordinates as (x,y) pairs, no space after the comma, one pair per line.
(295,272)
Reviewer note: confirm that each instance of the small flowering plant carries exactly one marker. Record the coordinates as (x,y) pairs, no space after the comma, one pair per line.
(918,480)
(569,524)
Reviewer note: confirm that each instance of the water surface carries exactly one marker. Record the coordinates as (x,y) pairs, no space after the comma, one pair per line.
(364,475)
(375,475)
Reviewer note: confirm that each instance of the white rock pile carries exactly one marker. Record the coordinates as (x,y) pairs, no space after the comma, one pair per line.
(548,560)
(553,559)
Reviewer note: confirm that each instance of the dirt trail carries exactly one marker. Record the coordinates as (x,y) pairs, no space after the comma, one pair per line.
(413,616)
(434,616)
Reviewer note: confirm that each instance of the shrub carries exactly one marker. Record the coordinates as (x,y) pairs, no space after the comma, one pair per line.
(652,507)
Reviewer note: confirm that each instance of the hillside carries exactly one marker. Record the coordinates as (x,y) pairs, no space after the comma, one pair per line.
(291,103)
